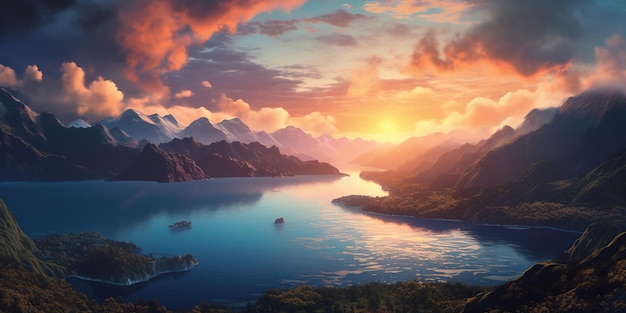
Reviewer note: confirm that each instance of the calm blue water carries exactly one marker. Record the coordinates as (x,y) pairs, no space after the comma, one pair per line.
(242,253)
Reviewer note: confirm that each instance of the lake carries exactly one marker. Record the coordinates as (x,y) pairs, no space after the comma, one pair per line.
(242,252)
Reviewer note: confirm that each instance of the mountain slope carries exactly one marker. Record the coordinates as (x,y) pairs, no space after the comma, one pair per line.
(16,246)
(593,284)
(453,163)
(581,136)
(203,131)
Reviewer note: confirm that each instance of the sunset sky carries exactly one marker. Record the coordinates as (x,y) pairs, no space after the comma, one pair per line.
(382,70)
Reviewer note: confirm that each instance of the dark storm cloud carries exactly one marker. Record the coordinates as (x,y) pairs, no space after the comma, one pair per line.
(235,73)
(19,16)
(530,35)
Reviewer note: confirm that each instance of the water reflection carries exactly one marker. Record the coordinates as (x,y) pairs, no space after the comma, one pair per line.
(537,243)
(397,248)
(109,207)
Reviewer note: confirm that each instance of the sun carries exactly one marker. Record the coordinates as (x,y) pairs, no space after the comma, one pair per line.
(387,126)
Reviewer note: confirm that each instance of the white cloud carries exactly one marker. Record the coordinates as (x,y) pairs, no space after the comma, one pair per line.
(101,98)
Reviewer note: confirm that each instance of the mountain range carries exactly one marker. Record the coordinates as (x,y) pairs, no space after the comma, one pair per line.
(37,146)
(562,167)
(291,140)
(550,145)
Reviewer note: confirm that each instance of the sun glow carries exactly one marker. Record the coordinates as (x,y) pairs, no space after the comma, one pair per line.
(387,126)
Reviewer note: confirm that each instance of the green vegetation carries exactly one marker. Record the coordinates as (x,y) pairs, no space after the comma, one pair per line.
(412,296)
(16,246)
(593,284)
(90,255)
(67,250)
(25,291)
(521,203)
(113,264)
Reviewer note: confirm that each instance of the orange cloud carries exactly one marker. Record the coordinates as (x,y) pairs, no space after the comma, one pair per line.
(315,123)
(32,73)
(8,77)
(183,94)
(100,99)
(364,80)
(207,84)
(267,119)
(155,34)
(436,10)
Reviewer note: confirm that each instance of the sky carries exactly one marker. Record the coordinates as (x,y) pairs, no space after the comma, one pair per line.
(383,70)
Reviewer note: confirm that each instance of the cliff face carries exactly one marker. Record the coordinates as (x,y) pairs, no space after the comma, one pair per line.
(583,284)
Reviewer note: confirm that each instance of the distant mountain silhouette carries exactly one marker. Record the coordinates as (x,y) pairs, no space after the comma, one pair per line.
(154,128)
(295,141)
(410,149)
(450,165)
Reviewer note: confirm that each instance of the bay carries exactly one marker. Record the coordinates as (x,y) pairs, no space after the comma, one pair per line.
(242,253)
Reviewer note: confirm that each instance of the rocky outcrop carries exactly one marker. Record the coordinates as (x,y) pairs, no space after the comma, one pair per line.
(593,283)
(154,164)
(353,201)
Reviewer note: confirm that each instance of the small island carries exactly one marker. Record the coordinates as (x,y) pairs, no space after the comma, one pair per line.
(279,220)
(181,224)
(89,256)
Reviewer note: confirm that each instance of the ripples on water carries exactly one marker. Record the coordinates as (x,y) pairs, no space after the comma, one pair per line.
(242,253)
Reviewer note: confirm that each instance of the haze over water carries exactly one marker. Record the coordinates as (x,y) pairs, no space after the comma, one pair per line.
(242,253)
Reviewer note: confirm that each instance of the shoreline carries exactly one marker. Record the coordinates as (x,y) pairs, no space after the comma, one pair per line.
(360,209)
(130,282)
